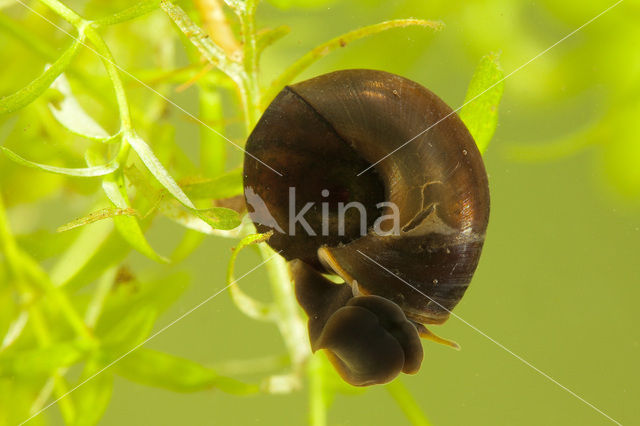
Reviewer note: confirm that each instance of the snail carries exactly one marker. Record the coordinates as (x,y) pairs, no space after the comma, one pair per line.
(403,231)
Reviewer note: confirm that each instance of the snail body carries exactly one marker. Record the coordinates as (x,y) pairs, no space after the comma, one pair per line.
(324,134)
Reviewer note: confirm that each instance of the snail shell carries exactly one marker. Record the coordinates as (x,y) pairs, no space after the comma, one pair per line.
(321,134)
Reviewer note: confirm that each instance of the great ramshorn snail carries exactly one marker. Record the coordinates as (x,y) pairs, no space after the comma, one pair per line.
(327,216)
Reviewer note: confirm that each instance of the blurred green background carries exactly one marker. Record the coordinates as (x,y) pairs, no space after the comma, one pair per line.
(559,279)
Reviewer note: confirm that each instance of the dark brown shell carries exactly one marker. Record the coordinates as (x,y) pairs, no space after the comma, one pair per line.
(323,132)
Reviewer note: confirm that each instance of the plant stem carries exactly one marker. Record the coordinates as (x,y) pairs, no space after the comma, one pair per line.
(213,148)
(336,43)
(290,322)
(60,384)
(216,24)
(109,64)
(94,309)
(67,14)
(407,403)
(250,58)
(317,400)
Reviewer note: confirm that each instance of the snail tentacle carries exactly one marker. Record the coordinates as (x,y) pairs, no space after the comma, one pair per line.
(368,339)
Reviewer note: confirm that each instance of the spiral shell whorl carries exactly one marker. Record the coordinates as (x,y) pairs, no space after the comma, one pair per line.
(322,133)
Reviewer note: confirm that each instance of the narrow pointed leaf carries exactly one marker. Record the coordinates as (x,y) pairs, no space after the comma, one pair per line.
(72,116)
(87,245)
(239,6)
(407,403)
(157,169)
(220,218)
(248,305)
(41,361)
(96,216)
(94,171)
(224,186)
(44,244)
(93,397)
(130,230)
(135,11)
(202,220)
(209,50)
(270,36)
(33,90)
(480,114)
(158,369)
(189,243)
(131,330)
(131,308)
(15,330)
(127,226)
(336,43)
(198,222)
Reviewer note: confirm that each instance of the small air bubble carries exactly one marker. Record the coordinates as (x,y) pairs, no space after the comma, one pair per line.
(325,192)
(435,282)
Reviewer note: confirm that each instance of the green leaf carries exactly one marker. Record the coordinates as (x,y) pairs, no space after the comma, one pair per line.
(94,171)
(93,397)
(72,116)
(17,402)
(78,268)
(200,222)
(88,245)
(131,330)
(101,291)
(135,11)
(161,370)
(33,90)
(333,383)
(189,243)
(157,169)
(319,398)
(17,29)
(213,147)
(127,226)
(336,43)
(43,244)
(224,186)
(131,309)
(239,6)
(245,303)
(14,330)
(407,403)
(41,361)
(211,51)
(220,218)
(480,111)
(96,216)
(269,36)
